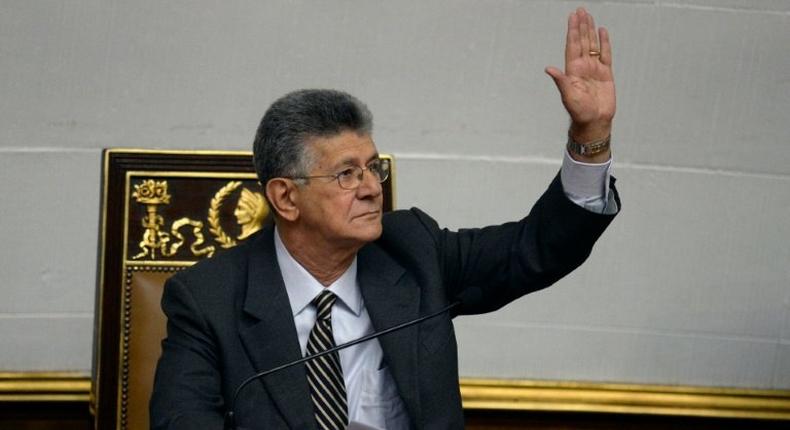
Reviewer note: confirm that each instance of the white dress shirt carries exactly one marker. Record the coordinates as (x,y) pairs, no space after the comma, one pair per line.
(372,397)
(587,184)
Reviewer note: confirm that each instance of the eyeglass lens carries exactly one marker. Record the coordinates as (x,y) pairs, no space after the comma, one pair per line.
(380,170)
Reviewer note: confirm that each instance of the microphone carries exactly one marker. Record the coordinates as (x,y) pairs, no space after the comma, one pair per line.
(467,298)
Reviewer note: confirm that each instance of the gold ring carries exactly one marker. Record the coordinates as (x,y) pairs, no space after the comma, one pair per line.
(595,53)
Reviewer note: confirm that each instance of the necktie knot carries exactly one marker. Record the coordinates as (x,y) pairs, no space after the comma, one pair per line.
(323,303)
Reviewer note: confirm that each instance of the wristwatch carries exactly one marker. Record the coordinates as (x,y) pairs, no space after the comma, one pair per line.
(590,148)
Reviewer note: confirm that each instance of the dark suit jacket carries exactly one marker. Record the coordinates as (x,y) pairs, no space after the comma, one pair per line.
(229,316)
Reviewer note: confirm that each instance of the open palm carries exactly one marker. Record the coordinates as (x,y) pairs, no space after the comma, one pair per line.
(587,85)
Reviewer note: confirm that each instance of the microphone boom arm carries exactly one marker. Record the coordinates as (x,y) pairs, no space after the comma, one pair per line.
(230,421)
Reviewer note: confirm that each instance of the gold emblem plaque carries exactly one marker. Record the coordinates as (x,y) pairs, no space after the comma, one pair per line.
(187,216)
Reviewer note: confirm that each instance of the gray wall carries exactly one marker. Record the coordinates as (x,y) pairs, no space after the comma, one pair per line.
(690,286)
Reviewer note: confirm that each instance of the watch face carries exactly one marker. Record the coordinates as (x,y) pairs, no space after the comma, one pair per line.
(576,148)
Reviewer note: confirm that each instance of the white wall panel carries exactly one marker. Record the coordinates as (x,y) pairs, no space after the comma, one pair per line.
(702,88)
(782,366)
(692,252)
(695,256)
(50,216)
(691,284)
(46,342)
(582,353)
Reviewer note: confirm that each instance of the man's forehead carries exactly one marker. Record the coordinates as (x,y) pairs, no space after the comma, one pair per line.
(345,148)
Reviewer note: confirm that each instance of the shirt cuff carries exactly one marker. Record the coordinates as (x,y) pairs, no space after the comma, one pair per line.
(587,184)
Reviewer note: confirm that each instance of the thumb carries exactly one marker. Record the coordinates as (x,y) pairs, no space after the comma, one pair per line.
(558,77)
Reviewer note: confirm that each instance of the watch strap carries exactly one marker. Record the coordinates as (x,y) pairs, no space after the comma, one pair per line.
(590,148)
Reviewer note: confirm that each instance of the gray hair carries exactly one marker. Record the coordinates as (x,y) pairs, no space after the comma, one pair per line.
(280,147)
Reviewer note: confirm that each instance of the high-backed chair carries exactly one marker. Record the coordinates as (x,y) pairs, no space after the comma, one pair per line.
(161,212)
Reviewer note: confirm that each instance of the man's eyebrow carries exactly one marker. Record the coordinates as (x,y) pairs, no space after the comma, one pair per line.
(350,161)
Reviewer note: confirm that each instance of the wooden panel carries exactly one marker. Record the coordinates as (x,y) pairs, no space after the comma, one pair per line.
(512,420)
(44,401)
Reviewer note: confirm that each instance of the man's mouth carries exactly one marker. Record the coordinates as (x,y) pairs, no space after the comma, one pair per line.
(370,214)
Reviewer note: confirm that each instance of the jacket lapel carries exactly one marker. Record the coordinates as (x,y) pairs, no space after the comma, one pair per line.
(269,336)
(392,297)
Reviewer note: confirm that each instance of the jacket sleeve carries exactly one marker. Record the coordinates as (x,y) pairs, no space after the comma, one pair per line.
(492,266)
(187,383)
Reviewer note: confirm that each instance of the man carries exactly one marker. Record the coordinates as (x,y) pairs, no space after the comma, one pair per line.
(334,268)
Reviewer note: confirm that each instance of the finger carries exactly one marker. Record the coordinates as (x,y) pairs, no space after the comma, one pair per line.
(606,47)
(573,47)
(584,29)
(591,33)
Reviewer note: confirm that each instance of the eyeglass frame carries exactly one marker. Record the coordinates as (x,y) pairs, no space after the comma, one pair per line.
(360,177)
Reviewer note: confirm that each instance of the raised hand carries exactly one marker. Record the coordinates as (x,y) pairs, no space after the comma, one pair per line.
(587,85)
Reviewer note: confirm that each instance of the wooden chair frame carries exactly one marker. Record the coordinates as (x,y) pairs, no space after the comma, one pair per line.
(161,212)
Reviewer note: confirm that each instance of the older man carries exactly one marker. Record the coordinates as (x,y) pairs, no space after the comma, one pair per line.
(334,268)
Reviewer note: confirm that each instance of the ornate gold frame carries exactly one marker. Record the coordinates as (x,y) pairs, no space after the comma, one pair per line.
(491,394)
(573,396)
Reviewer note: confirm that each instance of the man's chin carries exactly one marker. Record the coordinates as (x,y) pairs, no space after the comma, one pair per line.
(377,234)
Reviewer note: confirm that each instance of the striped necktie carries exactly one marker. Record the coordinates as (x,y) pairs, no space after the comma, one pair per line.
(324,374)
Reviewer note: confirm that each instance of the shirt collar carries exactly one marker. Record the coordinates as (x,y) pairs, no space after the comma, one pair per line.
(302,287)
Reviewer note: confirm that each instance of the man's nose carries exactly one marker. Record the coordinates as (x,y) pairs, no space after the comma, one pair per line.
(369,186)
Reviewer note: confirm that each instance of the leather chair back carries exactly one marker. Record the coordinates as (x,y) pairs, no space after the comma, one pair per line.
(162,211)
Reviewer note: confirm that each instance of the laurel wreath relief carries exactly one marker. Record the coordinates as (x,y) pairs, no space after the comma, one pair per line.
(215,228)
(152,194)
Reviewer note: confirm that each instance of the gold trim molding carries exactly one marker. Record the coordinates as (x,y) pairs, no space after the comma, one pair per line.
(499,394)
(44,386)
(561,396)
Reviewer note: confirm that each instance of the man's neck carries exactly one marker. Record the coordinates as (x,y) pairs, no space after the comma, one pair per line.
(322,260)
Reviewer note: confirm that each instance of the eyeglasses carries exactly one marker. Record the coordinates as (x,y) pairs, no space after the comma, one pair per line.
(352,177)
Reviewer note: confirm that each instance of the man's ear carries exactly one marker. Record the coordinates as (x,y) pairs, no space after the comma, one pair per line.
(283,195)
